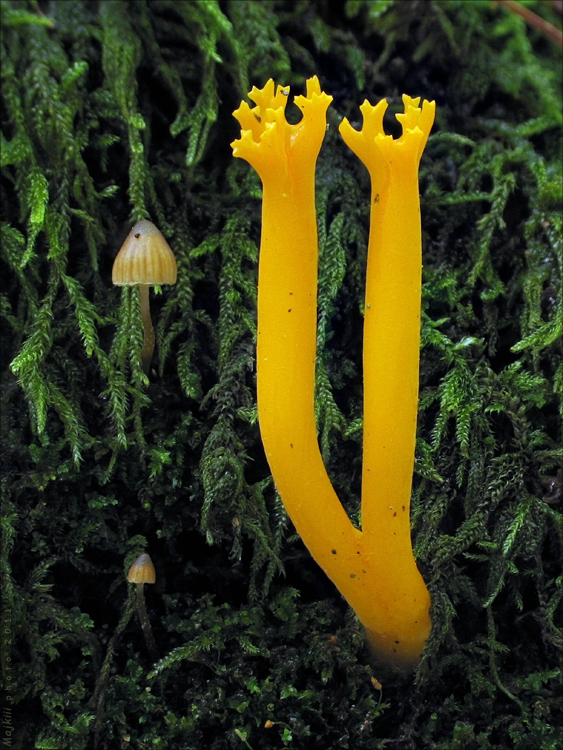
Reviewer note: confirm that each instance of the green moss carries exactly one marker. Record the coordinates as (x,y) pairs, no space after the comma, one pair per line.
(112,112)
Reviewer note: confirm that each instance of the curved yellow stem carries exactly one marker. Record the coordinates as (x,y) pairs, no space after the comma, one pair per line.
(284,156)
(391,362)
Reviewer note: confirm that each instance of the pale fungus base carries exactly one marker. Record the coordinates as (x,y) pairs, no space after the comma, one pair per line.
(373,568)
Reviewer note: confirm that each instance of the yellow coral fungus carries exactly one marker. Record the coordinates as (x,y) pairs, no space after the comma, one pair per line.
(373,568)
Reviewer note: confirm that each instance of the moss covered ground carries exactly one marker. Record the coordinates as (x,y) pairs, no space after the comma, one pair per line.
(115,111)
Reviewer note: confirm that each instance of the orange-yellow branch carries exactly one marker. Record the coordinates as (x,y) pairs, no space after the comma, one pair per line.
(391,363)
(285,156)
(373,568)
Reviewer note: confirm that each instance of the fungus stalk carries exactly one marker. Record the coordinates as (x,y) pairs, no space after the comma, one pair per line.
(284,156)
(391,358)
(373,568)
(148,330)
(145,622)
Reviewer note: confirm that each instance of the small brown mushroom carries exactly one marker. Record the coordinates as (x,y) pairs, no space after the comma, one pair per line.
(142,571)
(145,259)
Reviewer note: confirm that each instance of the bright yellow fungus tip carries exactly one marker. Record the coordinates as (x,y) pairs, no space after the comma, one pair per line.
(373,568)
(269,143)
(373,147)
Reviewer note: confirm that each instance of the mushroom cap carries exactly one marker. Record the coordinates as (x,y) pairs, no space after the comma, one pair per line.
(145,258)
(142,570)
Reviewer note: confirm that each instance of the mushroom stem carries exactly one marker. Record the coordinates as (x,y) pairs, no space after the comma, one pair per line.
(145,622)
(148,341)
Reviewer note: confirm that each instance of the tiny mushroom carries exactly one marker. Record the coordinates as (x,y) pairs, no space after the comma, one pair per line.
(142,571)
(145,259)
